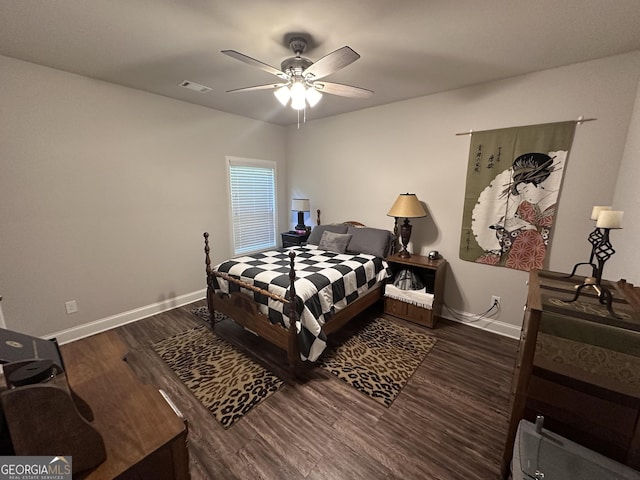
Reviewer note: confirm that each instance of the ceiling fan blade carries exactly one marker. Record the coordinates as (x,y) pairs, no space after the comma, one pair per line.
(256,63)
(342,90)
(332,62)
(269,86)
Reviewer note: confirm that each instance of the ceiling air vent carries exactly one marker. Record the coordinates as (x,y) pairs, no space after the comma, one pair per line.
(195,86)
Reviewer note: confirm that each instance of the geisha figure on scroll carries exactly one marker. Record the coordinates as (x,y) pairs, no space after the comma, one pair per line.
(513,217)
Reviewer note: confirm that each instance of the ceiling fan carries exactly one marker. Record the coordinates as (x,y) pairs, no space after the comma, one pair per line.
(301,78)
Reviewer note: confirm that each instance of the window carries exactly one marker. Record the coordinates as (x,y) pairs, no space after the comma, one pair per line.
(252,189)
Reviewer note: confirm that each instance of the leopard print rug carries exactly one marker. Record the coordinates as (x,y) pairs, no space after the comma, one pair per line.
(379,359)
(203,313)
(226,381)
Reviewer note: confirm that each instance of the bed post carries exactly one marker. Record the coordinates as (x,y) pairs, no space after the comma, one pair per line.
(293,352)
(207,261)
(318,217)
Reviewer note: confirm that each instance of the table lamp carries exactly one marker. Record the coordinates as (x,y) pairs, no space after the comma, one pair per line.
(607,220)
(408,206)
(595,238)
(300,205)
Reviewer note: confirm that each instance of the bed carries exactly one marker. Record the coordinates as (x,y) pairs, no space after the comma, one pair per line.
(339,273)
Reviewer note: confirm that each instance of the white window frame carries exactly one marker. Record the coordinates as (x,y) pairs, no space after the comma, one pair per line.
(236,243)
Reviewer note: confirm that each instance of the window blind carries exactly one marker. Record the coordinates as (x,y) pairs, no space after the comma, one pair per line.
(253,205)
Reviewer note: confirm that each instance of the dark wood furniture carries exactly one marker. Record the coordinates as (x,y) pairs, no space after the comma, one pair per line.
(40,415)
(577,365)
(39,409)
(293,239)
(432,273)
(143,434)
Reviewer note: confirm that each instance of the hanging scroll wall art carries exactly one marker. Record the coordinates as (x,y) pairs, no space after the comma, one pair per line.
(513,182)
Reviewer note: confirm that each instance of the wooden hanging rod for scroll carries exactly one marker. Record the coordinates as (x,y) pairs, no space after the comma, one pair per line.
(579,121)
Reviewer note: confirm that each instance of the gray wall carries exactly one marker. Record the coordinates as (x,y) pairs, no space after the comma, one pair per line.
(411,146)
(626,261)
(104,194)
(105,191)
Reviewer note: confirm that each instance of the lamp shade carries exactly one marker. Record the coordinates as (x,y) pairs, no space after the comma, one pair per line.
(298,95)
(300,205)
(313,96)
(407,205)
(283,95)
(610,219)
(596,211)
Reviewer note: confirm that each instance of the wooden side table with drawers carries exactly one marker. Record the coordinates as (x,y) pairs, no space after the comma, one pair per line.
(432,274)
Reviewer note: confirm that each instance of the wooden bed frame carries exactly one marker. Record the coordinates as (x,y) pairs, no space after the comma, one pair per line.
(244,311)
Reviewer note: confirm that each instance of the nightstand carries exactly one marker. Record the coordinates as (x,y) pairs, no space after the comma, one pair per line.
(292,238)
(432,273)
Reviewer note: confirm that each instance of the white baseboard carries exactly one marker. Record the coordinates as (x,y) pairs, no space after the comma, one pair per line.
(104,324)
(490,325)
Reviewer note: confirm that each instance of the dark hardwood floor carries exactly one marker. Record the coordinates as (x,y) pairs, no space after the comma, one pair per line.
(448,423)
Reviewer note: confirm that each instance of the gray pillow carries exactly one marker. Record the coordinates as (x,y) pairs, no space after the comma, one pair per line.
(316,234)
(334,242)
(372,241)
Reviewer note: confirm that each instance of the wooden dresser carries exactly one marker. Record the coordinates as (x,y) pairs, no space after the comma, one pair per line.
(579,367)
(144,436)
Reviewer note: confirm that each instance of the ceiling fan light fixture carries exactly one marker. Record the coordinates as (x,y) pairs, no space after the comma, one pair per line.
(283,95)
(298,95)
(300,75)
(313,96)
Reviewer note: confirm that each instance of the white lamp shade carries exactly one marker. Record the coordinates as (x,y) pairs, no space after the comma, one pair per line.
(298,93)
(313,96)
(596,211)
(300,205)
(407,205)
(610,219)
(283,95)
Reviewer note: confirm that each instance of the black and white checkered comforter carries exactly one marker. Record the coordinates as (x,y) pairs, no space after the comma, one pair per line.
(326,282)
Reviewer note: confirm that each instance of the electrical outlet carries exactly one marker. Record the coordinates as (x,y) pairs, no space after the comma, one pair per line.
(495,300)
(71,306)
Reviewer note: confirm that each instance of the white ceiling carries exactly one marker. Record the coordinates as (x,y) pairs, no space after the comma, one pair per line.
(408,48)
